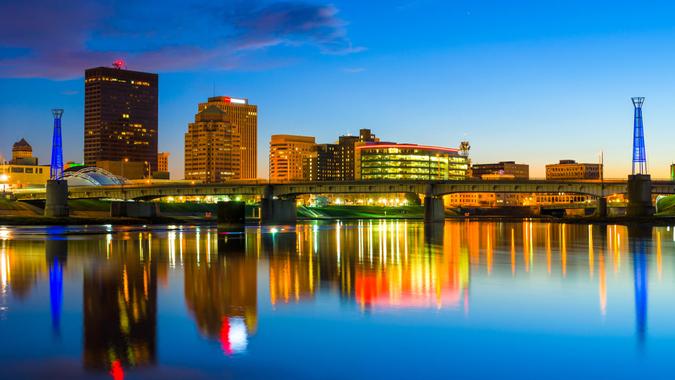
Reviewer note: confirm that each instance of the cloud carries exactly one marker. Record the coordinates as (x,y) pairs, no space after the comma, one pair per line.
(58,40)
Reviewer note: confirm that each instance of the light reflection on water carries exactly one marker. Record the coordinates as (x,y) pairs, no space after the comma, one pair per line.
(190,301)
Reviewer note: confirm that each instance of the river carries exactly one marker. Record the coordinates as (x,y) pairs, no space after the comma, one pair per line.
(337,300)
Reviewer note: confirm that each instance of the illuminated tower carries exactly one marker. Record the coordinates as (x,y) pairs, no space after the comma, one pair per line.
(56,170)
(639,154)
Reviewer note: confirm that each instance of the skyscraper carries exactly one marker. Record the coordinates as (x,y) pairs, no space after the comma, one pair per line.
(120,116)
(289,155)
(221,143)
(244,117)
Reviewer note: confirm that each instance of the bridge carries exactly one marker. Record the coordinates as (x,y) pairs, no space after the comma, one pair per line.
(278,199)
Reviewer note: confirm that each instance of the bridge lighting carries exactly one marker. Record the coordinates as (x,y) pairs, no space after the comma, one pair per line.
(4,178)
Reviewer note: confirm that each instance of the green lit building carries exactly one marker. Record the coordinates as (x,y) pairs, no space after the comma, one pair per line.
(387,161)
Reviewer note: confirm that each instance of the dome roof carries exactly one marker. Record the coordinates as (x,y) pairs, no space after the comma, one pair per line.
(90,176)
(22,145)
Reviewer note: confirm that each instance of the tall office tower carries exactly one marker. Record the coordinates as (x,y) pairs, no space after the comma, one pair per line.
(120,115)
(288,157)
(244,117)
(213,147)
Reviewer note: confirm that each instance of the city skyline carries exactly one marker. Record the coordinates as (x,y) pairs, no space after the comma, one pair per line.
(543,83)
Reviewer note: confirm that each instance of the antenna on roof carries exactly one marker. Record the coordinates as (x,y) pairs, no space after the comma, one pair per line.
(119,64)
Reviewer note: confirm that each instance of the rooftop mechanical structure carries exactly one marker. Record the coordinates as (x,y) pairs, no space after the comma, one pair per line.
(639,153)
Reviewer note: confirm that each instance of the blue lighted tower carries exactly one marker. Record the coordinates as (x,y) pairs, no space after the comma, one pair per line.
(56,170)
(639,154)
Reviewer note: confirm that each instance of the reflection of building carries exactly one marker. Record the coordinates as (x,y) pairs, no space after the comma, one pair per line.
(120,311)
(221,143)
(506,168)
(380,161)
(120,116)
(570,169)
(222,295)
(288,157)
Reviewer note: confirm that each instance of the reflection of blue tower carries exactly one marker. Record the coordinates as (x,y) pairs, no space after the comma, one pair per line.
(639,154)
(56,250)
(56,170)
(56,292)
(640,281)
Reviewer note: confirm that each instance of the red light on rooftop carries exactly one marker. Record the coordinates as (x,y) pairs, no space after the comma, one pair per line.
(119,64)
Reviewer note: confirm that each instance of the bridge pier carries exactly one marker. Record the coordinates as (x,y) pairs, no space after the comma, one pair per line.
(231,216)
(274,210)
(56,204)
(434,210)
(601,211)
(640,196)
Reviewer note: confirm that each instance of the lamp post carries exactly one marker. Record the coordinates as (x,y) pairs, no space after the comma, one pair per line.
(124,194)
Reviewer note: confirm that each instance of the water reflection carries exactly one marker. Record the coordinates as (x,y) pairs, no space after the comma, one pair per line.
(120,308)
(377,266)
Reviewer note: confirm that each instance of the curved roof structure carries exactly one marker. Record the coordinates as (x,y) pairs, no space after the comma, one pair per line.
(90,176)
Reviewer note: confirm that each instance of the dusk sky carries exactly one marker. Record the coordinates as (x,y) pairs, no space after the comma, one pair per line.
(531,81)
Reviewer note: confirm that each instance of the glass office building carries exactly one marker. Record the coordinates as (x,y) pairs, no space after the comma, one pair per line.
(392,161)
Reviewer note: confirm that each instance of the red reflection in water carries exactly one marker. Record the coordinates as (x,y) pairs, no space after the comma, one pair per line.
(225,337)
(116,370)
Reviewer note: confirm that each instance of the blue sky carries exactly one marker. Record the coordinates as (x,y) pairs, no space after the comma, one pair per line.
(531,81)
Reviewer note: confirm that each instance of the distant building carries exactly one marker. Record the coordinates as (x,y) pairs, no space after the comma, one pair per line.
(289,154)
(506,169)
(162,166)
(672,172)
(23,169)
(571,170)
(244,117)
(221,143)
(393,161)
(124,169)
(337,162)
(120,116)
(22,153)
(18,176)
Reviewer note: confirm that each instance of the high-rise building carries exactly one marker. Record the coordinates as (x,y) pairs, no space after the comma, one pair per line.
(289,155)
(387,161)
(503,168)
(570,169)
(221,143)
(336,162)
(163,161)
(244,117)
(120,116)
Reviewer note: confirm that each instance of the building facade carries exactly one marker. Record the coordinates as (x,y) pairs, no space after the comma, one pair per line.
(337,162)
(22,153)
(571,170)
(243,117)
(503,168)
(120,116)
(213,147)
(289,155)
(392,161)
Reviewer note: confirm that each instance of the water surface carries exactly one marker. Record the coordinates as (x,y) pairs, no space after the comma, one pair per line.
(358,300)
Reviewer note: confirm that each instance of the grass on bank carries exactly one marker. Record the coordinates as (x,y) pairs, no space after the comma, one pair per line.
(361,212)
